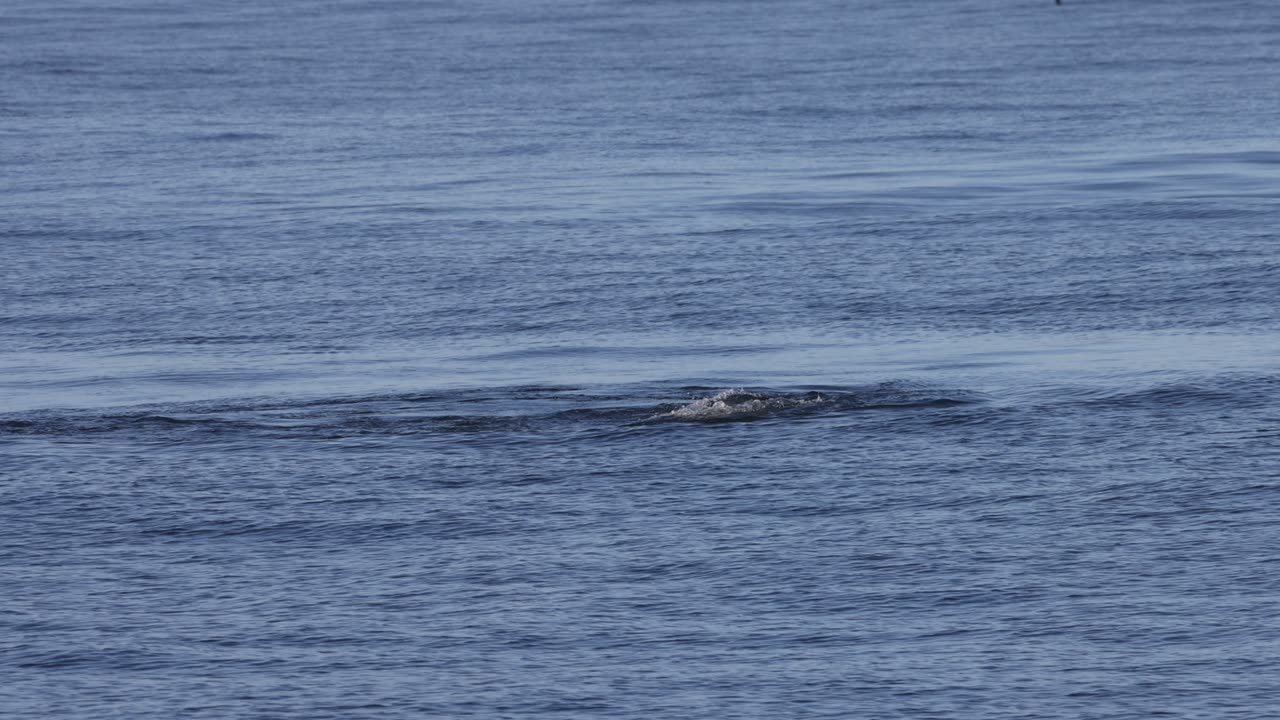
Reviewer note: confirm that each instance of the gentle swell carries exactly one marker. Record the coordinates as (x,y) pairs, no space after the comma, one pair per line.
(741,404)
(539,410)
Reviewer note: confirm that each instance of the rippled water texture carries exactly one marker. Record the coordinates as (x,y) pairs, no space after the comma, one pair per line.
(651,359)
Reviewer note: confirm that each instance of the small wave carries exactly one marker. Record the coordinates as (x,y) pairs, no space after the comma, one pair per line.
(547,410)
(152,426)
(1228,392)
(741,404)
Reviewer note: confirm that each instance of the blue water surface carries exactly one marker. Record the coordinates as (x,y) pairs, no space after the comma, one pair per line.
(639,359)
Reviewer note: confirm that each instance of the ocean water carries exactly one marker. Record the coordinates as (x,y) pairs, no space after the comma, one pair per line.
(639,359)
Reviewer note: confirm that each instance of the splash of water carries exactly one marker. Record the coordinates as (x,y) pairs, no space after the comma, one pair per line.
(739,404)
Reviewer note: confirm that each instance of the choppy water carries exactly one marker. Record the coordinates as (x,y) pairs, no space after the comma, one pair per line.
(639,359)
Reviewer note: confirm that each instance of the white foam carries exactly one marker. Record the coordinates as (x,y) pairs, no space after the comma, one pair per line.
(739,404)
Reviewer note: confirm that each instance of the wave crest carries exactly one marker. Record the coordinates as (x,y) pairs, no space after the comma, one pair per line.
(739,404)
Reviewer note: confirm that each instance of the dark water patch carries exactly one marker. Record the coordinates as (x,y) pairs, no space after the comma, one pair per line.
(60,69)
(1189,209)
(543,410)
(101,659)
(135,427)
(568,351)
(1197,395)
(1178,162)
(232,137)
(443,525)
